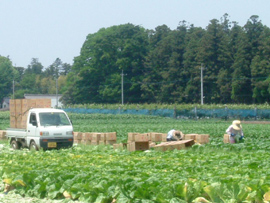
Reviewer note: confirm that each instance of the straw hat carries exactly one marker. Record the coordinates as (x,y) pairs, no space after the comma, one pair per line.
(236,125)
(179,134)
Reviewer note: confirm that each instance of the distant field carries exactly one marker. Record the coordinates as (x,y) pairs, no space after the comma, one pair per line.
(216,171)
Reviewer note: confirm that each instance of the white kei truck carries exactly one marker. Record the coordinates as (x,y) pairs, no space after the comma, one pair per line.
(46,128)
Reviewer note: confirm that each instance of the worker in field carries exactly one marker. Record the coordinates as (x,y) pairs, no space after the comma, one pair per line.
(236,132)
(174,135)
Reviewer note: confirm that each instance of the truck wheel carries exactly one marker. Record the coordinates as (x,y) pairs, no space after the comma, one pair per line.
(33,146)
(14,144)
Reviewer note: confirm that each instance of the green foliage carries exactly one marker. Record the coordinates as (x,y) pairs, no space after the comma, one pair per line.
(216,172)
(159,66)
(169,106)
(7,75)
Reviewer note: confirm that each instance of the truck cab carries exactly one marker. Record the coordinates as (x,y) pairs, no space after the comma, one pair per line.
(46,128)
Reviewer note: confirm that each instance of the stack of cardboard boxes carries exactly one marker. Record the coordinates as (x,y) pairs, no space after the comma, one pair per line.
(95,138)
(20,107)
(3,135)
(199,138)
(144,141)
(138,141)
(183,144)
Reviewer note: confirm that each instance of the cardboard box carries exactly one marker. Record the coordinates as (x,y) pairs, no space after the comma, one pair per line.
(110,142)
(77,136)
(18,106)
(131,136)
(137,146)
(43,103)
(83,136)
(3,135)
(88,136)
(190,136)
(28,104)
(226,138)
(102,142)
(164,137)
(19,109)
(96,137)
(202,138)
(156,137)
(178,145)
(12,122)
(94,142)
(85,142)
(152,144)
(111,136)
(161,148)
(142,137)
(188,143)
(102,137)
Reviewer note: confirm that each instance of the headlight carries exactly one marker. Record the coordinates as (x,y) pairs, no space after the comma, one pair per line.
(69,133)
(44,133)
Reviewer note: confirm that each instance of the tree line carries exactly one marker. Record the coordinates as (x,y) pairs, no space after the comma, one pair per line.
(160,66)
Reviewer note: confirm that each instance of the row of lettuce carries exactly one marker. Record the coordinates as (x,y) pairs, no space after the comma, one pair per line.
(217,173)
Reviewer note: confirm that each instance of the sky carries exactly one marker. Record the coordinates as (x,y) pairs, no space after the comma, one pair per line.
(50,29)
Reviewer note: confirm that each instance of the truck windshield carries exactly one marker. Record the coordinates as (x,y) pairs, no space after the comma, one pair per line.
(53,119)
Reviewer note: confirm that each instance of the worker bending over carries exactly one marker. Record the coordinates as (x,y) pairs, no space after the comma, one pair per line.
(174,135)
(236,132)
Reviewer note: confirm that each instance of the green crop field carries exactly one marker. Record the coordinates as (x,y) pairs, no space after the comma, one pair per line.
(214,172)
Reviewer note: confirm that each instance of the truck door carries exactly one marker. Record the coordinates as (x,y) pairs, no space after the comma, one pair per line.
(32,125)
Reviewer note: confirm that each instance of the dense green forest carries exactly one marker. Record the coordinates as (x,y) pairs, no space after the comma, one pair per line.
(156,66)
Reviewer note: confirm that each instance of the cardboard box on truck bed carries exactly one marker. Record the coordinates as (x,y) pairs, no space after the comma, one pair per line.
(20,107)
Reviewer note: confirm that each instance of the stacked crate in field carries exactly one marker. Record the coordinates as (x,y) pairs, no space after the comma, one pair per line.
(86,138)
(3,135)
(199,138)
(77,137)
(156,137)
(111,138)
(138,141)
(20,107)
(96,139)
(178,145)
(131,137)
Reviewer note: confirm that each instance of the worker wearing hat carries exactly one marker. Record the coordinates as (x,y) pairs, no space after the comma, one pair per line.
(235,131)
(174,135)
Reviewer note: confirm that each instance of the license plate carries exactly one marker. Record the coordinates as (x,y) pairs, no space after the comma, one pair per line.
(52,144)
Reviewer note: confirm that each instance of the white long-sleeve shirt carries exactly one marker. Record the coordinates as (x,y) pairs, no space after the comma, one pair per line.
(170,134)
(230,130)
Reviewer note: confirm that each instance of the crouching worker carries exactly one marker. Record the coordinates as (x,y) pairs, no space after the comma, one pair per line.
(175,135)
(236,132)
